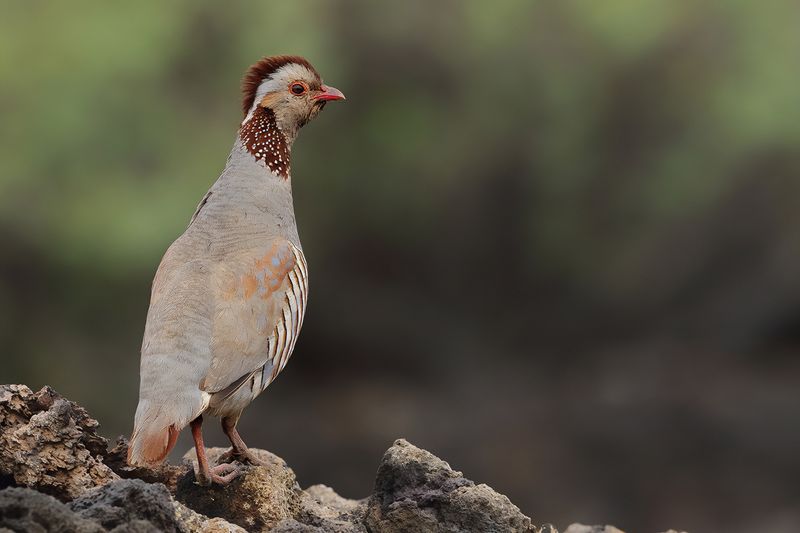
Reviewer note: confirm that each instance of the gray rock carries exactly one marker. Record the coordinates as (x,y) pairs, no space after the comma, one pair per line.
(136,526)
(165,473)
(33,512)
(191,522)
(580,528)
(293,526)
(323,509)
(50,444)
(126,501)
(416,491)
(127,506)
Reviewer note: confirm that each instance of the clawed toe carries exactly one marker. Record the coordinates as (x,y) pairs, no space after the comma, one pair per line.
(239,452)
(226,457)
(249,458)
(220,474)
(245,457)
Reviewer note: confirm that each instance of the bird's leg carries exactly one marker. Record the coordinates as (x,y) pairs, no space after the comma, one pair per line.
(220,474)
(239,449)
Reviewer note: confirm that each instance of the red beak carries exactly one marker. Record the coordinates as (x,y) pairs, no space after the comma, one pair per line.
(329,93)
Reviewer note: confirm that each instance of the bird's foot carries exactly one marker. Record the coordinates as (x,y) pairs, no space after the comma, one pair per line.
(221,474)
(243,456)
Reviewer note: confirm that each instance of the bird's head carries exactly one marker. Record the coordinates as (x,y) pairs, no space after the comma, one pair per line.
(290,88)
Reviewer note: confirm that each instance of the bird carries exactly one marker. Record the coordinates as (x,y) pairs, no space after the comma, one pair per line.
(229,296)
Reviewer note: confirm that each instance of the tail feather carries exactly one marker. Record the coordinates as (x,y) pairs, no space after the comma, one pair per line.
(165,408)
(150,446)
(155,431)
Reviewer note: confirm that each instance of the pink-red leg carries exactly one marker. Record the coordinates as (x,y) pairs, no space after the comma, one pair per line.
(221,474)
(239,450)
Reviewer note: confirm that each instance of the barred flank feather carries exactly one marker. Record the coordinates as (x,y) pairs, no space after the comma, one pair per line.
(281,343)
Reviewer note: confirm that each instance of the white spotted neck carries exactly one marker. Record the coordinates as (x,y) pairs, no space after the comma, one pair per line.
(263,139)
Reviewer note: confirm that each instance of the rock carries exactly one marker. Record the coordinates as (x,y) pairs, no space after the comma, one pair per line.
(33,512)
(580,528)
(257,500)
(117,460)
(322,508)
(417,491)
(126,501)
(218,525)
(293,526)
(49,443)
(192,522)
(127,506)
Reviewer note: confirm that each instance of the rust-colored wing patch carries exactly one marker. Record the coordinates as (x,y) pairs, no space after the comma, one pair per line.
(261,276)
(268,273)
(251,293)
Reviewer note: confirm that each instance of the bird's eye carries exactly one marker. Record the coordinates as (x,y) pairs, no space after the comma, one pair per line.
(297,89)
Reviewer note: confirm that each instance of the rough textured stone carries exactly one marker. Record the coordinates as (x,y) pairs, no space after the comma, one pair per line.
(49,443)
(293,526)
(580,528)
(257,500)
(165,473)
(322,508)
(417,491)
(128,500)
(192,522)
(120,507)
(33,512)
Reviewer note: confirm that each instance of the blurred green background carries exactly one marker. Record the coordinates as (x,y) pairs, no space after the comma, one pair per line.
(554,242)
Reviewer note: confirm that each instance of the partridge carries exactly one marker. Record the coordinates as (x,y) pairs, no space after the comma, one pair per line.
(229,296)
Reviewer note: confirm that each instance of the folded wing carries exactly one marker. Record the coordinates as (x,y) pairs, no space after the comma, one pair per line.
(260,299)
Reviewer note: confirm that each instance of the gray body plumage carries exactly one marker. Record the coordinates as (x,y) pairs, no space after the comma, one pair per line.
(230,294)
(203,336)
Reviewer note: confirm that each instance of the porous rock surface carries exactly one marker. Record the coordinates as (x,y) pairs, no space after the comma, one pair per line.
(581,528)
(59,475)
(415,490)
(257,501)
(49,443)
(27,510)
(128,501)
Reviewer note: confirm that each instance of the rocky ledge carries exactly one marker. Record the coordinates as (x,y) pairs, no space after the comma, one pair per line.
(58,474)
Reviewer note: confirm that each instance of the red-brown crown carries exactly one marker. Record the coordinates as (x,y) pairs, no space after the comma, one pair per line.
(265,67)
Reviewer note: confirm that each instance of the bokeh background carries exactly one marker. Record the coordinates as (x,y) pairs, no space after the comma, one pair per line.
(554,242)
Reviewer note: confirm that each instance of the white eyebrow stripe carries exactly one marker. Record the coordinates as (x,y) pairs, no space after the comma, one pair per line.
(279,80)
